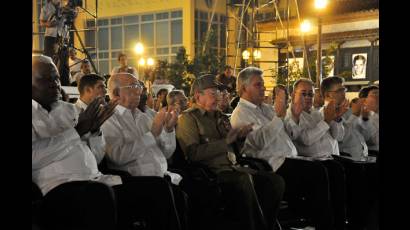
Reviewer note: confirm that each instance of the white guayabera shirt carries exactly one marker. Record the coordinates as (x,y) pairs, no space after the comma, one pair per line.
(268,140)
(59,154)
(132,147)
(313,137)
(357,131)
(373,141)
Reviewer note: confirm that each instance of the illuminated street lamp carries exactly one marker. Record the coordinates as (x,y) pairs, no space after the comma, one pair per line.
(246,55)
(319,5)
(139,48)
(150,62)
(257,54)
(141,62)
(306,26)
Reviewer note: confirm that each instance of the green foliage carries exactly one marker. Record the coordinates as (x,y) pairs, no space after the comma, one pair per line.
(295,73)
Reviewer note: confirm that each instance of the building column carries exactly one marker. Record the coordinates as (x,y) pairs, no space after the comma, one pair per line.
(338,61)
(370,59)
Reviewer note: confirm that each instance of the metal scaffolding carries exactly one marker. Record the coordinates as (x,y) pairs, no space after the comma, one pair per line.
(84,9)
(247,36)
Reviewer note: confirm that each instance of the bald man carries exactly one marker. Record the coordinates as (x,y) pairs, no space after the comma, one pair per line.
(138,143)
(76,194)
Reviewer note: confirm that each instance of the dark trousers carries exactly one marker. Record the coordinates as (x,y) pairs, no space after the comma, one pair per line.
(254,196)
(309,180)
(80,205)
(182,206)
(49,44)
(337,184)
(361,192)
(148,198)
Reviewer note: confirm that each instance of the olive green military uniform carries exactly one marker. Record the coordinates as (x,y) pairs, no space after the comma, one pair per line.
(201,135)
(254,195)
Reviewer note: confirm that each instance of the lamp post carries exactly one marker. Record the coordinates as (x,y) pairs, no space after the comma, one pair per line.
(319,5)
(139,50)
(245,55)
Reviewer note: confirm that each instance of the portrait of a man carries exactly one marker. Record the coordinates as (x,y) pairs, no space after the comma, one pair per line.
(359,62)
(328,63)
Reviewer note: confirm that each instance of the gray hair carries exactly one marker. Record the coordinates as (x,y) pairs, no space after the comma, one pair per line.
(303,80)
(244,77)
(172,95)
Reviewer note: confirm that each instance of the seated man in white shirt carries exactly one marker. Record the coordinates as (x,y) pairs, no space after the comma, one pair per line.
(358,129)
(315,135)
(371,96)
(268,140)
(64,165)
(90,87)
(137,143)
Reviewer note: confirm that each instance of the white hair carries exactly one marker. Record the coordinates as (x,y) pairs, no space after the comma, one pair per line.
(244,77)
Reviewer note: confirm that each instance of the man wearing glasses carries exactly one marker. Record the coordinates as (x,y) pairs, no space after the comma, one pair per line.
(316,134)
(138,143)
(269,141)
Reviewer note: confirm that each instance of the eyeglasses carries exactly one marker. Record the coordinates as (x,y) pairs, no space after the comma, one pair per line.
(340,90)
(133,86)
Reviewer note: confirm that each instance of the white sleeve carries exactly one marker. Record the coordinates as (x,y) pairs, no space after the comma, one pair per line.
(368,129)
(167,143)
(96,142)
(46,150)
(337,130)
(292,129)
(121,146)
(260,136)
(309,136)
(349,122)
(263,136)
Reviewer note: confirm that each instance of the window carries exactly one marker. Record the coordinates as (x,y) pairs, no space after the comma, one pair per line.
(162,51)
(176,14)
(131,19)
(131,36)
(116,37)
(104,68)
(147,34)
(176,31)
(147,17)
(103,38)
(102,22)
(116,21)
(162,16)
(162,33)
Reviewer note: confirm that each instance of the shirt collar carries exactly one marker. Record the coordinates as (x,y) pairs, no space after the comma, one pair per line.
(81,104)
(121,109)
(37,105)
(204,112)
(247,103)
(34,104)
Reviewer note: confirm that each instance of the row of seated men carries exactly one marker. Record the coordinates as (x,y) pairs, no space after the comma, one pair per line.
(68,142)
